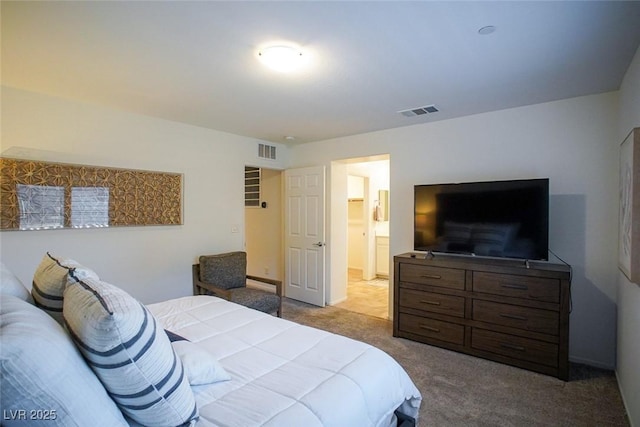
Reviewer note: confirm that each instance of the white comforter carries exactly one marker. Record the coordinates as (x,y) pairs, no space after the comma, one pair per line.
(286,374)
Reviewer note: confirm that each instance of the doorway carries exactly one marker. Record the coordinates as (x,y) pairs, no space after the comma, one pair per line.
(263,224)
(367,264)
(264,231)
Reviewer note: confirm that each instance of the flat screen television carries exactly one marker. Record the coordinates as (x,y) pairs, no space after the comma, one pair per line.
(508,219)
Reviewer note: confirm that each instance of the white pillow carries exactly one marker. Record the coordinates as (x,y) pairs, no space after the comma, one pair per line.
(200,365)
(129,352)
(49,282)
(11,285)
(44,378)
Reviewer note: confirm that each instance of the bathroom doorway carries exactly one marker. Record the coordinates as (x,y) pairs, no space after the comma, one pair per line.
(368,238)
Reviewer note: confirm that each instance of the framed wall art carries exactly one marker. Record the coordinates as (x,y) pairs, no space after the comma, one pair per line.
(37,195)
(629,219)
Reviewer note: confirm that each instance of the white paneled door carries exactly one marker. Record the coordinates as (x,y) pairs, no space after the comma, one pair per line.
(305,234)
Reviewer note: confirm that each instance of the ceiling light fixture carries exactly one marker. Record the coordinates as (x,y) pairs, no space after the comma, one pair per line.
(281,58)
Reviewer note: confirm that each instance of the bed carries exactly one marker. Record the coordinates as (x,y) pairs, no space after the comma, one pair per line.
(276,372)
(286,373)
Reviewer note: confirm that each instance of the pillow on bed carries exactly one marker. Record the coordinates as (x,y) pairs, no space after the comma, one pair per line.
(129,352)
(11,285)
(200,366)
(42,371)
(49,282)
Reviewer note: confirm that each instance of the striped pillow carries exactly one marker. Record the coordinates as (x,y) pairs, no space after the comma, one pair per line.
(129,352)
(49,282)
(42,372)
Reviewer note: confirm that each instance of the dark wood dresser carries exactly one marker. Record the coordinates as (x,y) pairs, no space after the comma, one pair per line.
(499,309)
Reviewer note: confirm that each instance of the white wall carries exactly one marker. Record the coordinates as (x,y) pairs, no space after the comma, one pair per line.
(355,221)
(336,256)
(568,141)
(628,367)
(151,263)
(356,236)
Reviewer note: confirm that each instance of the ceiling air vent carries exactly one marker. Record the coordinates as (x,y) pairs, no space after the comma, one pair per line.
(412,112)
(266,151)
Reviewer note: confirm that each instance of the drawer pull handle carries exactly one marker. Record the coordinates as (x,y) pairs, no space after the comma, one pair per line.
(515,286)
(512,316)
(512,347)
(430,276)
(424,301)
(429,328)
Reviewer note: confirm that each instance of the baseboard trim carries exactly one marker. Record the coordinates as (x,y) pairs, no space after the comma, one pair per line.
(624,401)
(593,363)
(337,301)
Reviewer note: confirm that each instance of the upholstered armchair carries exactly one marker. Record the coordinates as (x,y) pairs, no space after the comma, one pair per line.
(225,276)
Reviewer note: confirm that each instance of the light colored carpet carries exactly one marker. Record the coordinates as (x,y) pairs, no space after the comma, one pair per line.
(461,390)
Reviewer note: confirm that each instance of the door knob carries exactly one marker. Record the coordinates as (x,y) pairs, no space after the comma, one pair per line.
(319,244)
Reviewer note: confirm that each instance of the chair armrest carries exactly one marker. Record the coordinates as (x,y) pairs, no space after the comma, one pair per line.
(276,283)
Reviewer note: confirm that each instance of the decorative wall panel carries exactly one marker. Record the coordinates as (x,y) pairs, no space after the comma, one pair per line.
(629,219)
(37,195)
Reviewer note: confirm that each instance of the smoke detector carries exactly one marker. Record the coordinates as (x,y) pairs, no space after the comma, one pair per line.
(419,111)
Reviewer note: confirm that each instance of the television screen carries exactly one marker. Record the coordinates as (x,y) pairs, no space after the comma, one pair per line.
(498,219)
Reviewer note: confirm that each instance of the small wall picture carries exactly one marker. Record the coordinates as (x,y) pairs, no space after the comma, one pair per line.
(629,220)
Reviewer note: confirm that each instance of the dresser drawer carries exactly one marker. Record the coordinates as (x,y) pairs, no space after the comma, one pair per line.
(436,276)
(516,347)
(431,302)
(529,319)
(431,328)
(535,288)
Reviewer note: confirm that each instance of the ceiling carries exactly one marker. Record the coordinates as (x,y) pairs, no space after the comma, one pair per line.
(196,62)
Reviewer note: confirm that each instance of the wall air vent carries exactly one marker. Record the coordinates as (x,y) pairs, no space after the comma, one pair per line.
(412,112)
(266,151)
(252,180)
